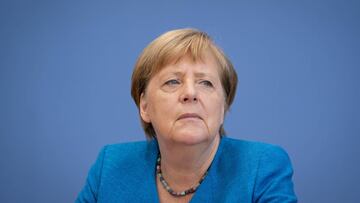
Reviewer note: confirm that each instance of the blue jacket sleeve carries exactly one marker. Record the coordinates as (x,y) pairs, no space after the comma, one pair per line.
(274,177)
(89,193)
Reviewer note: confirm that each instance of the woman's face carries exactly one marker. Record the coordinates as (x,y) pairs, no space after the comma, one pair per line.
(185,101)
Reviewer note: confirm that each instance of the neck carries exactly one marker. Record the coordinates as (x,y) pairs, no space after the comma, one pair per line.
(183,165)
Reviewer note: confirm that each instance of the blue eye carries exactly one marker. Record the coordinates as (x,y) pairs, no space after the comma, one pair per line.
(207,83)
(172,82)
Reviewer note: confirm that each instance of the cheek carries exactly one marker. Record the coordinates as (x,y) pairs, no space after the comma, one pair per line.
(160,106)
(216,110)
(221,111)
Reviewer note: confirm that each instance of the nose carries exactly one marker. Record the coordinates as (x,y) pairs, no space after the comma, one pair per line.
(189,93)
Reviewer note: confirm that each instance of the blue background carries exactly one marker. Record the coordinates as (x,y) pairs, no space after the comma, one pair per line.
(65,69)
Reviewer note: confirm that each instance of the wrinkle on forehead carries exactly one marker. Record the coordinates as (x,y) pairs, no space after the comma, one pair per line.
(203,65)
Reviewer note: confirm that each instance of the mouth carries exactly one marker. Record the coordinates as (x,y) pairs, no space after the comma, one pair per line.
(189,116)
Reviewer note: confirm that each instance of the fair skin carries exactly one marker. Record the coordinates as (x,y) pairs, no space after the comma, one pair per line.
(185,103)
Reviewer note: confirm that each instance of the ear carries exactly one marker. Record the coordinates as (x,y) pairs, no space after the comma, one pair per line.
(144,109)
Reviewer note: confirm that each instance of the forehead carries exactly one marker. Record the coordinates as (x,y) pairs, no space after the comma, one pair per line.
(202,66)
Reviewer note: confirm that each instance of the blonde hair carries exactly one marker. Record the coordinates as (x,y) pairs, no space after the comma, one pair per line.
(171,47)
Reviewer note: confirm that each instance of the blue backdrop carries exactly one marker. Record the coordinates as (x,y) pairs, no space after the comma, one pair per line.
(65,69)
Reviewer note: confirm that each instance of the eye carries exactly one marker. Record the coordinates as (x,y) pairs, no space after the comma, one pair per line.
(206,83)
(172,82)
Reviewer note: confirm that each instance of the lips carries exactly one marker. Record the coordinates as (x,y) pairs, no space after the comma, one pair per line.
(189,115)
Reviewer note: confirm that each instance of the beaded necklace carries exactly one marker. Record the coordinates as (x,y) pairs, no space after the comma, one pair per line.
(169,189)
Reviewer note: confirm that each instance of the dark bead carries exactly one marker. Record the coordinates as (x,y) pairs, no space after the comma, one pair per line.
(167,187)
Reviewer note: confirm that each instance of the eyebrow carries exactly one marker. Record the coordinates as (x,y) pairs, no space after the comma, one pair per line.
(197,74)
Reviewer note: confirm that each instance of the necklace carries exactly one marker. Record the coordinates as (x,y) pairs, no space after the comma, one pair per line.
(169,189)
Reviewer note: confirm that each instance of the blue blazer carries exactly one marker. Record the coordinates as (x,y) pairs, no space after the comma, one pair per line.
(241,171)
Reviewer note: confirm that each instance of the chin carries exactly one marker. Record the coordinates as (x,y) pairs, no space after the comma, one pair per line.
(191,138)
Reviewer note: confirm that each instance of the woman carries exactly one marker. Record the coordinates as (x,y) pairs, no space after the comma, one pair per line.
(183,84)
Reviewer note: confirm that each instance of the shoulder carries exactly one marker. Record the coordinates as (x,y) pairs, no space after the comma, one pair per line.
(128,153)
(254,157)
(249,159)
(117,170)
(265,168)
(250,149)
(126,164)
(243,156)
(128,149)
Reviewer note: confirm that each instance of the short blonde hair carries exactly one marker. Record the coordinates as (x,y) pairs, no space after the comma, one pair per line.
(171,47)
